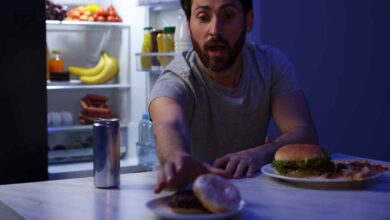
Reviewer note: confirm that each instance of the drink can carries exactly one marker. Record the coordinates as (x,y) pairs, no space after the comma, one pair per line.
(106,153)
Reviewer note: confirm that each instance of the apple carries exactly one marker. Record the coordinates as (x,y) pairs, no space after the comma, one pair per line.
(118,19)
(101,18)
(111,13)
(101,12)
(111,18)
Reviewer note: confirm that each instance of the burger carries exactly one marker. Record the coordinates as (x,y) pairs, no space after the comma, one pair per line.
(302,160)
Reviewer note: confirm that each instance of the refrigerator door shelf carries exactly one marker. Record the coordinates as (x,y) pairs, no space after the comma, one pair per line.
(153,62)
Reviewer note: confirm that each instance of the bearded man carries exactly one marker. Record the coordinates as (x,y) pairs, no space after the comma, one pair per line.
(212,105)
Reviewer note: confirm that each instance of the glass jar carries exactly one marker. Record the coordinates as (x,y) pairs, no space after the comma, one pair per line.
(56,63)
(146,62)
(166,44)
(57,67)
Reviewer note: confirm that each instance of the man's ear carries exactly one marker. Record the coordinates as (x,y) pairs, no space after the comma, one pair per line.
(249,21)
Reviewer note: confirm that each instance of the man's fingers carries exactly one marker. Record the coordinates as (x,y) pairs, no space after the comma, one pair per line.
(169,172)
(251,171)
(219,172)
(240,169)
(231,166)
(221,162)
(161,183)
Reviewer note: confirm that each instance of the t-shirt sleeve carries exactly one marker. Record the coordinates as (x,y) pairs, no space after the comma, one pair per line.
(284,80)
(172,86)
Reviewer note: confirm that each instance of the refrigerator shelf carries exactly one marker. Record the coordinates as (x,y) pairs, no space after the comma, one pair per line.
(157,5)
(75,25)
(74,128)
(84,87)
(72,155)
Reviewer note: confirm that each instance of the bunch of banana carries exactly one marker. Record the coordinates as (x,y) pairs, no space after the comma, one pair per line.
(106,69)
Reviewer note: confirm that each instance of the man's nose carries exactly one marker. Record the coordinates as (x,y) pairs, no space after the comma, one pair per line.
(215,27)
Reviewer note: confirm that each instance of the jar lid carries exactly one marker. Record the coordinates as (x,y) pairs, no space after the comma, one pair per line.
(148,28)
(169,29)
(56,52)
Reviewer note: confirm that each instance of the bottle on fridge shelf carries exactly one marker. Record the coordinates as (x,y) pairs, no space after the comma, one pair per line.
(146,61)
(154,48)
(182,36)
(142,151)
(166,44)
(146,144)
(57,67)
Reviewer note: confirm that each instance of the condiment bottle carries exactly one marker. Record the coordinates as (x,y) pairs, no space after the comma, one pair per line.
(146,61)
(56,63)
(166,44)
(56,67)
(155,63)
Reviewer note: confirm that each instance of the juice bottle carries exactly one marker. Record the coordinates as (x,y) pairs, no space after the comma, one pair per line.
(166,44)
(146,61)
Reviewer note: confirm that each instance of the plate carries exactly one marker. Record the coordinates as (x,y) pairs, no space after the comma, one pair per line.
(269,171)
(160,207)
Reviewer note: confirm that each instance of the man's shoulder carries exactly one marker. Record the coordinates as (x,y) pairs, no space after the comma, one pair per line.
(263,50)
(179,66)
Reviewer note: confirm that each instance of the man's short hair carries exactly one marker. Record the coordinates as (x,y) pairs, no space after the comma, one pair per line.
(186,6)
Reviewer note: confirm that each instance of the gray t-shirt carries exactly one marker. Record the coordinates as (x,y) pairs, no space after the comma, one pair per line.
(224,120)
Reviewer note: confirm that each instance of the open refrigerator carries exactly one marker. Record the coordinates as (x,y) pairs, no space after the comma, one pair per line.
(70,143)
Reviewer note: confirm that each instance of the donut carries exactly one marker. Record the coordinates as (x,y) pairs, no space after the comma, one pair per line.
(216,193)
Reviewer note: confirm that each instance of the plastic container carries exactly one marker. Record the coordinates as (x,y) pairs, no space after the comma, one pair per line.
(142,129)
(146,144)
(182,36)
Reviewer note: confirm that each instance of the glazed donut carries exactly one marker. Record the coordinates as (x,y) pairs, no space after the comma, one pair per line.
(216,193)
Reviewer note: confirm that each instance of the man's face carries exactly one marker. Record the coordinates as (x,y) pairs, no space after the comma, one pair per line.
(218,29)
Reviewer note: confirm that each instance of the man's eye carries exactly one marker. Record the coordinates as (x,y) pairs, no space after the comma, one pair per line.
(229,16)
(203,18)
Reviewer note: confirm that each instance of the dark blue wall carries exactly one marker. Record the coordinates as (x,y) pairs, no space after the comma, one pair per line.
(341,50)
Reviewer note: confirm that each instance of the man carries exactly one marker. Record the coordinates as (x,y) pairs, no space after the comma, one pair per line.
(211,106)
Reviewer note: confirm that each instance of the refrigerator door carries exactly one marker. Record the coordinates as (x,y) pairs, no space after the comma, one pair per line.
(23,150)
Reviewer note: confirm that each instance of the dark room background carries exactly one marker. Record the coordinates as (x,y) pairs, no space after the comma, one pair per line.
(341,51)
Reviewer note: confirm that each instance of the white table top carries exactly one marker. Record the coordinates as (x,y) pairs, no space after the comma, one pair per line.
(266,198)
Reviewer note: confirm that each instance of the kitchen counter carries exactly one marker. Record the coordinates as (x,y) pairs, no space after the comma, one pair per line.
(265,197)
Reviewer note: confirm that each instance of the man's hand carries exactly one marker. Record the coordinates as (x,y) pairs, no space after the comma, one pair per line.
(245,163)
(181,170)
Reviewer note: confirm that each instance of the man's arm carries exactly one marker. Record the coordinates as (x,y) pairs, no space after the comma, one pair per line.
(172,143)
(292,116)
(169,127)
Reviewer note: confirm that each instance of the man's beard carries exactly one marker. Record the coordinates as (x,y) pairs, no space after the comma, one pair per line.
(219,64)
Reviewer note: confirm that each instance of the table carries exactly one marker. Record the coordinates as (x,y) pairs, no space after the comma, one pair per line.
(266,198)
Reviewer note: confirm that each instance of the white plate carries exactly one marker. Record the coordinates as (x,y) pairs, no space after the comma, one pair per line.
(269,171)
(160,207)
